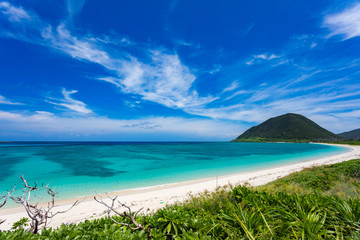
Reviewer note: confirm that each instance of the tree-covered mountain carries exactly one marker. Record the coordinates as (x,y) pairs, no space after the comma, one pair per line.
(289,127)
(352,135)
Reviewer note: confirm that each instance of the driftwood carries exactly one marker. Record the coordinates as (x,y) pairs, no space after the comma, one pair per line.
(40,216)
(134,225)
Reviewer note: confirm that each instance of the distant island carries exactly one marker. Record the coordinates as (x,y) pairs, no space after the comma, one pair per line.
(289,127)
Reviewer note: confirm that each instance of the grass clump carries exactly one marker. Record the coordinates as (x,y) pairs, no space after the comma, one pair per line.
(341,180)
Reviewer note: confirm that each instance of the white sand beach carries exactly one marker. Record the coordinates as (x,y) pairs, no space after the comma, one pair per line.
(156,197)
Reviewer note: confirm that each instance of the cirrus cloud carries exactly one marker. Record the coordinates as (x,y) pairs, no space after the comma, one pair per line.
(345,23)
(69,103)
(4,100)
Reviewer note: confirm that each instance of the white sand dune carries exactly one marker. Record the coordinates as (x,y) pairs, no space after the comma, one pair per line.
(159,196)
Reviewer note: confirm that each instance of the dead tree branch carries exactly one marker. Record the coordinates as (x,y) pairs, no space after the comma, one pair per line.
(40,216)
(127,214)
(2,204)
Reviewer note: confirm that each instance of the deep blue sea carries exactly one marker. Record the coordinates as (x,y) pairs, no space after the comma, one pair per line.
(81,168)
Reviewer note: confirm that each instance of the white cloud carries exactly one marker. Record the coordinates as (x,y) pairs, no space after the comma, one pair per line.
(266,56)
(252,112)
(250,62)
(4,100)
(43,115)
(69,103)
(336,123)
(298,94)
(37,116)
(216,69)
(240,92)
(133,104)
(345,23)
(232,86)
(313,45)
(164,128)
(113,40)
(349,114)
(83,49)
(113,80)
(15,14)
(164,79)
(261,57)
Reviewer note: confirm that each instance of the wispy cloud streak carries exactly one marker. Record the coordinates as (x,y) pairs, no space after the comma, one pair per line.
(69,103)
(15,14)
(345,23)
(4,100)
(261,57)
(164,80)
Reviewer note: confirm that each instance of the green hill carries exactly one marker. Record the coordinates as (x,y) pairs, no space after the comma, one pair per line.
(286,128)
(352,135)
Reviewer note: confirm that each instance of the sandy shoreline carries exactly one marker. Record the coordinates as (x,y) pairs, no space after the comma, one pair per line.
(158,196)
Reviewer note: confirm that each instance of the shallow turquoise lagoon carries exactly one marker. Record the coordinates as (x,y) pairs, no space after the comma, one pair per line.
(78,169)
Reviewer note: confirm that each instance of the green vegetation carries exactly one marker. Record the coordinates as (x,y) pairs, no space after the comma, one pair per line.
(351,135)
(317,203)
(260,139)
(21,224)
(338,180)
(287,128)
(348,142)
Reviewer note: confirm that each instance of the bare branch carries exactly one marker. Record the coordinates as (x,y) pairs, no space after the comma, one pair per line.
(1,205)
(40,216)
(127,214)
(5,199)
(73,205)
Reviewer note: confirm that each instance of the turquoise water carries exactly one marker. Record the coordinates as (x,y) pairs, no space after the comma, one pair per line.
(78,169)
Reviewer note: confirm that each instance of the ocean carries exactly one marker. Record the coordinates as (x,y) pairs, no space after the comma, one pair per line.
(81,168)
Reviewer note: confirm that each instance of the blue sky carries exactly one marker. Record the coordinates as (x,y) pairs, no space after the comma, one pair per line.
(174,69)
